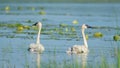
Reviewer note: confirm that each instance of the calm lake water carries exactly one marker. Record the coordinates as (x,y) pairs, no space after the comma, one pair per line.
(13,50)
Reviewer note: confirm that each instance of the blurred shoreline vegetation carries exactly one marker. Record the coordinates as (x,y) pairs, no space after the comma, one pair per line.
(60,1)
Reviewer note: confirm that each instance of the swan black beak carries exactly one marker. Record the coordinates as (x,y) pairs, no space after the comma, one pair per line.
(35,24)
(89,26)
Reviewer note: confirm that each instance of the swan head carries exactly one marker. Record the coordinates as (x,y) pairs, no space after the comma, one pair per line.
(38,24)
(85,26)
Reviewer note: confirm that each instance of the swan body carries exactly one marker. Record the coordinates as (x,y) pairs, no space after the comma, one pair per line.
(78,49)
(37,47)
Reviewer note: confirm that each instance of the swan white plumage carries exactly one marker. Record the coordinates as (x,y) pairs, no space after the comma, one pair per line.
(77,49)
(37,47)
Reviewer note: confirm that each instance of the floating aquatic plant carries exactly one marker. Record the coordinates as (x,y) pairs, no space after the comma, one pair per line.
(75,22)
(66,29)
(86,36)
(14,25)
(10,36)
(20,28)
(10,25)
(98,35)
(31,8)
(19,8)
(42,12)
(41,7)
(26,27)
(63,25)
(116,37)
(28,21)
(34,28)
(73,29)
(61,32)
(7,8)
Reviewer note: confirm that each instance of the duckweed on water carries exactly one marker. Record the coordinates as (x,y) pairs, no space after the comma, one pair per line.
(31,8)
(10,25)
(19,8)
(98,35)
(26,27)
(66,29)
(42,12)
(20,28)
(7,8)
(41,7)
(73,29)
(14,25)
(28,21)
(87,37)
(75,22)
(116,38)
(63,25)
(62,31)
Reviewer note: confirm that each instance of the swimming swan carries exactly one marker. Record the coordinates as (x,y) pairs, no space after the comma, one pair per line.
(37,47)
(77,49)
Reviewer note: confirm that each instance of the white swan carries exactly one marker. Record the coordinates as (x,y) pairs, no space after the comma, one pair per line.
(37,47)
(77,49)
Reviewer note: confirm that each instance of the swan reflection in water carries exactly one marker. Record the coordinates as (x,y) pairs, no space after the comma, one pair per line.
(38,60)
(81,59)
(35,61)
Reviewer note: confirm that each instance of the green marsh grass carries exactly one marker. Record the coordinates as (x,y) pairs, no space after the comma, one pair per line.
(66,63)
(118,57)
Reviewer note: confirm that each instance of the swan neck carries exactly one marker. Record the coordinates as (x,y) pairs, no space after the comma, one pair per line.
(84,38)
(38,37)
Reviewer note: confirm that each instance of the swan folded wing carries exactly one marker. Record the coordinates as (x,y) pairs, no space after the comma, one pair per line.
(71,51)
(40,47)
(81,49)
(33,45)
(36,48)
(77,49)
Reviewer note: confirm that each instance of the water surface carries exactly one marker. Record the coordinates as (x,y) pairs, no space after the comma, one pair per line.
(13,47)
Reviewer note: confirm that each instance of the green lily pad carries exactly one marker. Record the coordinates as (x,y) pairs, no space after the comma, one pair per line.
(116,38)
(98,35)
